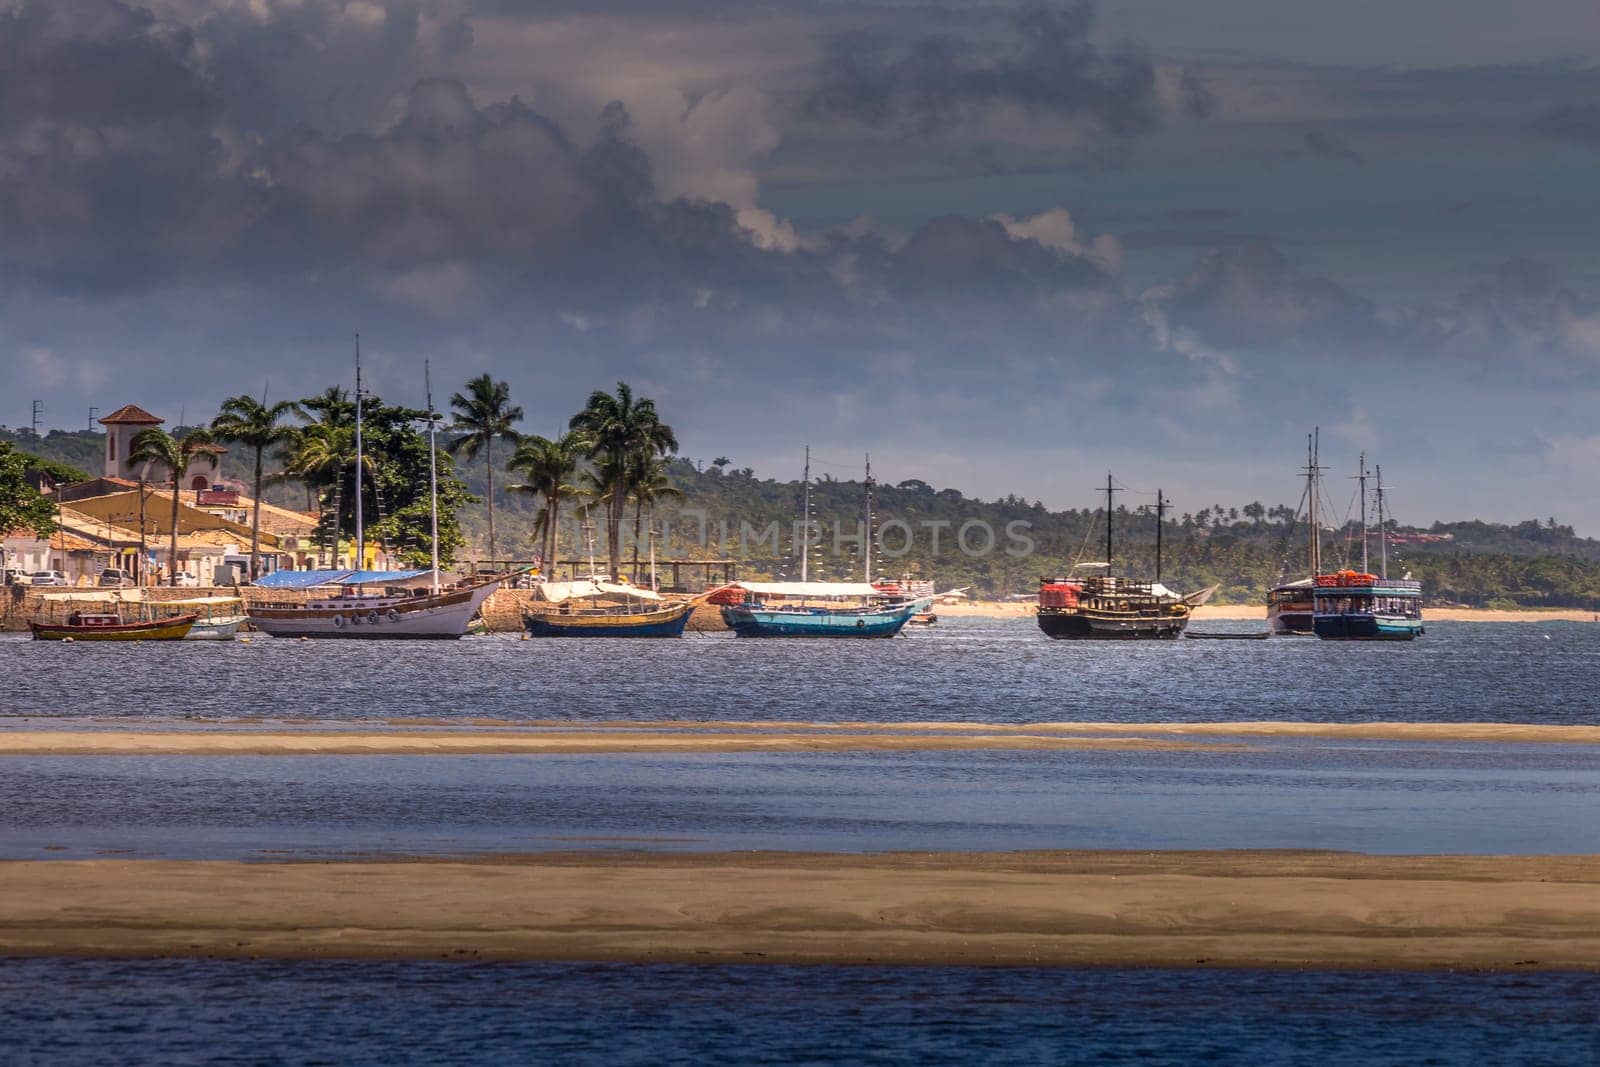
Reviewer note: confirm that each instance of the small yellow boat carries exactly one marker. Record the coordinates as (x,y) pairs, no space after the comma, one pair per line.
(85,626)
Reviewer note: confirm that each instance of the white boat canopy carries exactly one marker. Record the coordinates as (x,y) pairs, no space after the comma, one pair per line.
(556,592)
(129,596)
(797,589)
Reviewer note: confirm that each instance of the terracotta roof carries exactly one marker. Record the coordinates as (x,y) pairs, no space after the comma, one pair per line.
(131,413)
(216,450)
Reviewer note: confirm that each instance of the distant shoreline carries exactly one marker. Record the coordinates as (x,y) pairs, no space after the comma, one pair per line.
(1246,908)
(1010,609)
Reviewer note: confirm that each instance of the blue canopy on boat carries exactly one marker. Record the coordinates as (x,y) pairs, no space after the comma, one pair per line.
(378,577)
(309,579)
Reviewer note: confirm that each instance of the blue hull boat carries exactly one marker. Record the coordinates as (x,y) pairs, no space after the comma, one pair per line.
(1355,606)
(756,620)
(1354,627)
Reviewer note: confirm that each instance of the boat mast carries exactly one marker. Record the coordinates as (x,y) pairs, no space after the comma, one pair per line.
(433,480)
(866,549)
(1161,511)
(805,541)
(1383,535)
(1313,495)
(1109,491)
(361,533)
(1362,477)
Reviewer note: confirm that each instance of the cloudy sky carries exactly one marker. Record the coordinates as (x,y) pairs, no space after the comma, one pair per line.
(1003,247)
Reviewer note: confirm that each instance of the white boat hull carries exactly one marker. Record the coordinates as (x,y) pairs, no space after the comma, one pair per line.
(219,629)
(443,617)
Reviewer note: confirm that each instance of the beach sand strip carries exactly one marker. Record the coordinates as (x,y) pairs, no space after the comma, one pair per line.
(1165,909)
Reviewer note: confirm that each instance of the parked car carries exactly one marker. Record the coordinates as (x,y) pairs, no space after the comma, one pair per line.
(48,578)
(185,578)
(114,576)
(9,576)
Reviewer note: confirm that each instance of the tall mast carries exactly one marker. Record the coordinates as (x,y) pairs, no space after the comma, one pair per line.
(805,541)
(1314,496)
(1161,511)
(1109,491)
(1362,478)
(866,550)
(433,480)
(1383,534)
(361,532)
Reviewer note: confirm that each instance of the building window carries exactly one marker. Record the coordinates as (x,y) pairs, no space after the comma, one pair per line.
(111,447)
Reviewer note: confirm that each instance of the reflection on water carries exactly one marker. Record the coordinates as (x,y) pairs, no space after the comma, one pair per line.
(1368,797)
(109,1011)
(962,669)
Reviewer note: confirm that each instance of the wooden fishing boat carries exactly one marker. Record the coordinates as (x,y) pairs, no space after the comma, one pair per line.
(371,604)
(1110,606)
(108,626)
(565,620)
(219,617)
(816,609)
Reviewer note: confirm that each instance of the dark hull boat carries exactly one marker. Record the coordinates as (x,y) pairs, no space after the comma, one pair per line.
(1290,609)
(1110,608)
(1359,606)
(1113,608)
(1364,607)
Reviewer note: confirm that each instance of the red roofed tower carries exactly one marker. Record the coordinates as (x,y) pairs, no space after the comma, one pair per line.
(121,426)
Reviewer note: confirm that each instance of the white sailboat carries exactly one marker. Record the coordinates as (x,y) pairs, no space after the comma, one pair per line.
(377,604)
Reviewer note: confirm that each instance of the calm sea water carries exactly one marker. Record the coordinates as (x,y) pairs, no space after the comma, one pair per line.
(1368,796)
(1372,797)
(960,670)
(176,1012)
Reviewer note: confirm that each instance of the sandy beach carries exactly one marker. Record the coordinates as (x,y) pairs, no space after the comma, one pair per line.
(1167,909)
(423,737)
(1011,609)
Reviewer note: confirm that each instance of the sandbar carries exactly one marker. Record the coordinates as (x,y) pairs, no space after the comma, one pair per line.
(371,741)
(1164,909)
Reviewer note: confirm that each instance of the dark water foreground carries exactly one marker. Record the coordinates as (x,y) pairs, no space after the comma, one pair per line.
(98,1011)
(980,670)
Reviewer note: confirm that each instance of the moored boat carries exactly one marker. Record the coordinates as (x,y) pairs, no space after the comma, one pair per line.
(816,609)
(349,608)
(1290,605)
(1110,606)
(109,626)
(577,609)
(1354,606)
(1361,606)
(218,618)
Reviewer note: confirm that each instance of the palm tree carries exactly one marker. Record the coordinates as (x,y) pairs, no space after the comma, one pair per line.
(155,445)
(548,465)
(648,482)
(619,427)
(246,420)
(484,413)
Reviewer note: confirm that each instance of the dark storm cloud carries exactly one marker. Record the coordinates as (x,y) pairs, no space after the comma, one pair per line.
(1250,296)
(1051,67)
(1579,123)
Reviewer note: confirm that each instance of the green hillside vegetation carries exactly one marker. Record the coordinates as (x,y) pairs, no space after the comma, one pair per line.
(1241,549)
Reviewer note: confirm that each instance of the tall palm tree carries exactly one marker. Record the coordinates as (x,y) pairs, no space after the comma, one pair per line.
(648,482)
(549,466)
(482,414)
(618,427)
(155,445)
(247,421)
